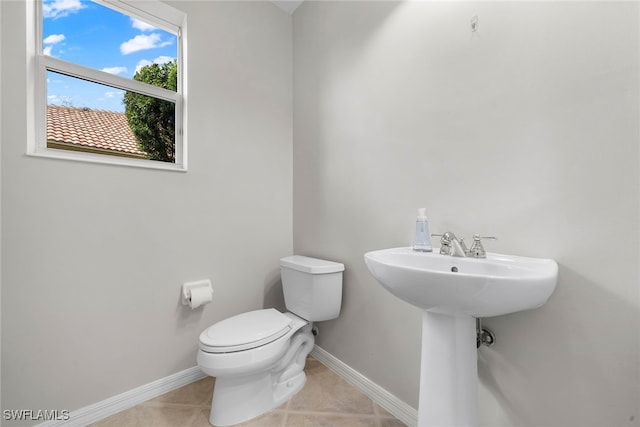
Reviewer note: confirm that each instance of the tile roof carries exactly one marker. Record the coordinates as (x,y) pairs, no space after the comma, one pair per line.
(98,130)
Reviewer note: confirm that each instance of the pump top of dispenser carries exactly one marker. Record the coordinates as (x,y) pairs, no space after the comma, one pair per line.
(422,214)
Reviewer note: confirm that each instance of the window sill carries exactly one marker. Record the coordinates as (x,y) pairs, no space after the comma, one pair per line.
(107,160)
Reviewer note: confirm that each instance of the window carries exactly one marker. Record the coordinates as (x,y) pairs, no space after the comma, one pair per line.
(109,82)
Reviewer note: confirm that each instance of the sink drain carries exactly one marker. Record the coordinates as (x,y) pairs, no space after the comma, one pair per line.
(454,269)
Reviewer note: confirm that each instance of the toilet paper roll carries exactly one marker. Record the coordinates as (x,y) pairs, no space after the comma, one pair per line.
(200,296)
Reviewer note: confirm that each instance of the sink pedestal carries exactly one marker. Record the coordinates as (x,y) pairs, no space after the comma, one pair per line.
(448,372)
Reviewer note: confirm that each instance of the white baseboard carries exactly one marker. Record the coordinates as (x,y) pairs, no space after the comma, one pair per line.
(382,397)
(113,405)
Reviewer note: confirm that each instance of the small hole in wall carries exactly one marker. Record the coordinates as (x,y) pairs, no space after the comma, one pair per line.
(474,24)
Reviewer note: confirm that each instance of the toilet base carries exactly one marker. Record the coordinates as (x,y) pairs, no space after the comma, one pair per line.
(236,400)
(239,398)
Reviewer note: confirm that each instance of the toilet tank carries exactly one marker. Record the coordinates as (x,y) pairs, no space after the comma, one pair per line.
(312,287)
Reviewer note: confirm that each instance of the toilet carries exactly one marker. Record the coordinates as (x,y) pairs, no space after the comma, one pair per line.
(258,357)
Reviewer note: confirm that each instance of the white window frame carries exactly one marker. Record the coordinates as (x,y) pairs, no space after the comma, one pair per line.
(152,11)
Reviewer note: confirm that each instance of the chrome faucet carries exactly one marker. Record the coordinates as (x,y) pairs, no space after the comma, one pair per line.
(477,250)
(451,245)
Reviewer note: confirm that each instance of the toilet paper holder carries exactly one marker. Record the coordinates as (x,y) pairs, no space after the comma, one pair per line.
(189,287)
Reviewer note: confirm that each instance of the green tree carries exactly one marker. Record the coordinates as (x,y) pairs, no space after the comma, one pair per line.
(152,120)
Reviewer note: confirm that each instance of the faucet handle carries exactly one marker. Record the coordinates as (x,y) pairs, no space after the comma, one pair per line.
(447,236)
(477,250)
(451,245)
(445,244)
(477,236)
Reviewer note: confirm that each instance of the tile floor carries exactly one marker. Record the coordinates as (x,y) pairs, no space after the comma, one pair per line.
(325,401)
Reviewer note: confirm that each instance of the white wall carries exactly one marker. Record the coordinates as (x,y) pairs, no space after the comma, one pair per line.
(93,256)
(0,206)
(528,130)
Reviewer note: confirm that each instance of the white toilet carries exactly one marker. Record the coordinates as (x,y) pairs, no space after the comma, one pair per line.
(258,357)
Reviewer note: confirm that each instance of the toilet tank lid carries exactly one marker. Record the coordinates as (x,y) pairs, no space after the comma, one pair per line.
(311,265)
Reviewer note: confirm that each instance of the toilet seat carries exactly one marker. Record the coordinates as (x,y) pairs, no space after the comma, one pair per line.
(245,331)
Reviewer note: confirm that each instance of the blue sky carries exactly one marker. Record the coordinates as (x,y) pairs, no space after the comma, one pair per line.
(90,34)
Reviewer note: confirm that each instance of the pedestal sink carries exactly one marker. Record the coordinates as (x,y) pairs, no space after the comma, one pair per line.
(452,292)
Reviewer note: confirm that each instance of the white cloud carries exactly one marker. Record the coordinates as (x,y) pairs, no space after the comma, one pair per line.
(55,9)
(159,60)
(53,39)
(143,42)
(113,94)
(60,100)
(49,41)
(162,59)
(142,26)
(143,63)
(115,70)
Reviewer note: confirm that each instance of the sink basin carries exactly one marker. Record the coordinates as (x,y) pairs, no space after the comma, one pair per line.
(493,286)
(451,292)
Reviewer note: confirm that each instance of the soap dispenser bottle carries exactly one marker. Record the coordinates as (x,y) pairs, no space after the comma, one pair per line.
(422,240)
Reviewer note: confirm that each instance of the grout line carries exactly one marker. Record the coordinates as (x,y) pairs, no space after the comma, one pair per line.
(150,404)
(333,414)
(128,400)
(375,418)
(397,408)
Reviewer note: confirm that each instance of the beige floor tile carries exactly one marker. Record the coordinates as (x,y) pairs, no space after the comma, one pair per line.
(325,401)
(391,422)
(326,420)
(271,419)
(198,393)
(274,418)
(201,419)
(145,416)
(327,392)
(380,411)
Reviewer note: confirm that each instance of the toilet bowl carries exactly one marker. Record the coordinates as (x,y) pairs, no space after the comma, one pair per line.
(258,357)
